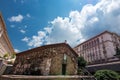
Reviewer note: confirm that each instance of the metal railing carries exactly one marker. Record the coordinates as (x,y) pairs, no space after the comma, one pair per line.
(87,73)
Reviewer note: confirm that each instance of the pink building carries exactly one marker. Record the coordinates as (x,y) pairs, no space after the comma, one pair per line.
(5,44)
(99,48)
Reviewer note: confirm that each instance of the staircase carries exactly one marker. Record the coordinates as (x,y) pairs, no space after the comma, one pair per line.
(2,67)
(85,72)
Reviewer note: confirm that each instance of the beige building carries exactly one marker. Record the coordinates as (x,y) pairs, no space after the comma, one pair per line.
(5,45)
(100,48)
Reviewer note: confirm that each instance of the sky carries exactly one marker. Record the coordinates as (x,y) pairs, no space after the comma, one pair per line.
(33,23)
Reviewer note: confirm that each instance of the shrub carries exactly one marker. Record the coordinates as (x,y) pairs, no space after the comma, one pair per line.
(81,65)
(119,77)
(106,75)
(81,62)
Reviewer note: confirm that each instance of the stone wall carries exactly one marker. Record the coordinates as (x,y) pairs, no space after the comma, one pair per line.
(46,60)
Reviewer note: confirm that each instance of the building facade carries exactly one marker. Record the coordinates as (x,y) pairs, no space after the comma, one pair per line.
(100,48)
(5,45)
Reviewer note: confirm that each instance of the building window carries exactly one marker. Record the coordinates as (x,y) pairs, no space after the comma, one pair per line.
(78,49)
(92,43)
(98,41)
(89,45)
(84,46)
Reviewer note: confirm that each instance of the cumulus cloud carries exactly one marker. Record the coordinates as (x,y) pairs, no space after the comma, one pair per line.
(105,15)
(22,31)
(81,25)
(26,39)
(16,50)
(48,29)
(18,18)
(36,40)
(64,29)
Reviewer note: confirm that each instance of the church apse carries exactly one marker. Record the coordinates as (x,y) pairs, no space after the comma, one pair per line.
(54,59)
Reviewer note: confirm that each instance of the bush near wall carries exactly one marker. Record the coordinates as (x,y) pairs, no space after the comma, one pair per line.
(119,77)
(106,75)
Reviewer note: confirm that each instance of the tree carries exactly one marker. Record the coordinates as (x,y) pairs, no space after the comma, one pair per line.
(106,75)
(81,64)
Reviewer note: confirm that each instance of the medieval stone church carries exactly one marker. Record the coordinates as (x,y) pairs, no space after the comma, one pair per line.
(54,59)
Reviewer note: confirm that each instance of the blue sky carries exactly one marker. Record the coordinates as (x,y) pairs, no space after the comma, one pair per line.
(32,23)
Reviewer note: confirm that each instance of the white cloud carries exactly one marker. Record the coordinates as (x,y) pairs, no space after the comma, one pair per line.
(81,25)
(91,20)
(64,29)
(48,29)
(28,15)
(18,18)
(39,39)
(22,31)
(105,15)
(12,26)
(16,50)
(36,40)
(25,39)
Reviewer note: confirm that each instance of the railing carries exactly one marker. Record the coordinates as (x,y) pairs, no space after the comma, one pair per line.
(87,73)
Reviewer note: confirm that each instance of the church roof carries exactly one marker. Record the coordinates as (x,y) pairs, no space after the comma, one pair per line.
(46,47)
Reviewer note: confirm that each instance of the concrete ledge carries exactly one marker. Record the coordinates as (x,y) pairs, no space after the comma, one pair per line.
(115,66)
(26,77)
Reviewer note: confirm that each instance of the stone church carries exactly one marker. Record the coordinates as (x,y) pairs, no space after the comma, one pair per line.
(53,59)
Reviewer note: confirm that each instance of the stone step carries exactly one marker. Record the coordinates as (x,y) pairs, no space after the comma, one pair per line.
(2,68)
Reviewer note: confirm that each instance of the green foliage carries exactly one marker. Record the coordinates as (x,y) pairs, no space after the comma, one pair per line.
(106,75)
(81,65)
(119,77)
(117,51)
(81,62)
(80,71)
(9,58)
(13,55)
(6,56)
